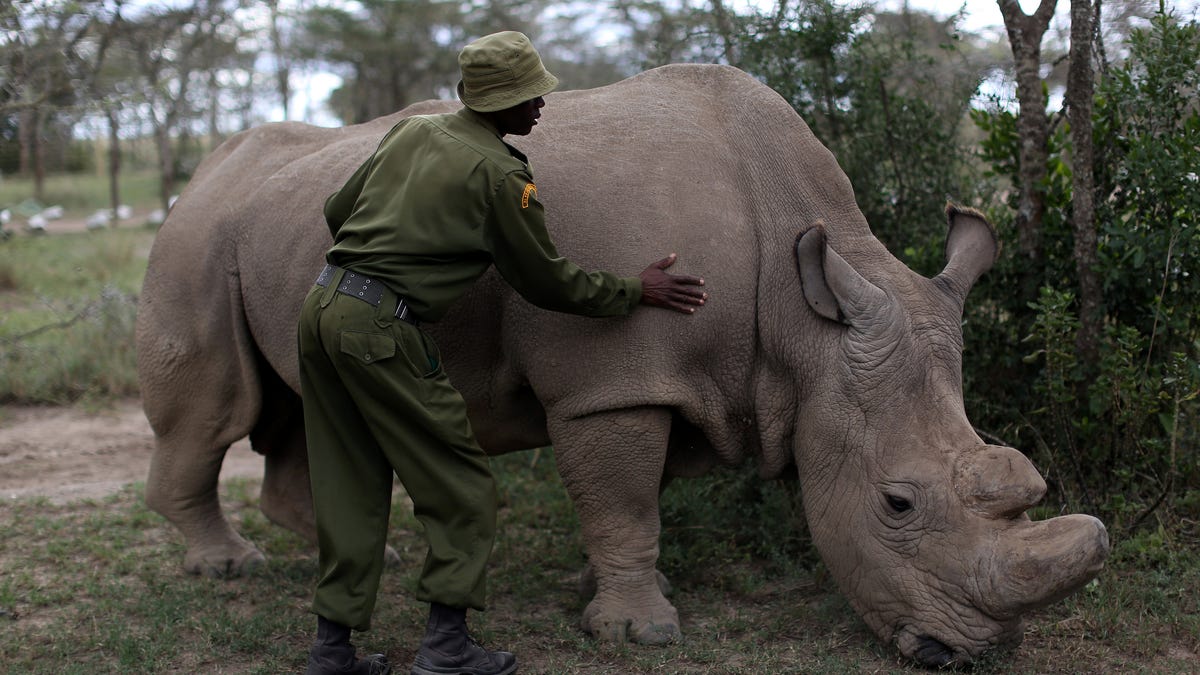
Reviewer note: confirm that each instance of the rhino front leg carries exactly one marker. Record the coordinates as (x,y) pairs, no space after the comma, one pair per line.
(611,464)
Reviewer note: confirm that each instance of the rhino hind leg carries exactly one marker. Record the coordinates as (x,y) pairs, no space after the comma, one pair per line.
(201,391)
(286,498)
(182,487)
(611,464)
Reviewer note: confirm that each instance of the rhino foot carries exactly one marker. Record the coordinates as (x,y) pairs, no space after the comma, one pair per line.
(224,562)
(588,586)
(656,625)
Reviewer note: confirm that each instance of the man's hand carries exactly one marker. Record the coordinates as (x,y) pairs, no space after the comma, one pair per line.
(671,291)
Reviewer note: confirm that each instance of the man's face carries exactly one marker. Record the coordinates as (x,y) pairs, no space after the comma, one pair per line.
(520,119)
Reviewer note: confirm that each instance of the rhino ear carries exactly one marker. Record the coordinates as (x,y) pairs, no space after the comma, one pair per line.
(831,286)
(971,248)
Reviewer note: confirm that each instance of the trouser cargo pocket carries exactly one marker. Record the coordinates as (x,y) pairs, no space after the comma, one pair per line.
(367,347)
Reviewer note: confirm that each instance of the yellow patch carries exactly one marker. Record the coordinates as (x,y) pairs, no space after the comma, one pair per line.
(530,189)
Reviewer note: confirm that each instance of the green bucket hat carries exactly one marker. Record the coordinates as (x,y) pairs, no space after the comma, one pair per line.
(500,71)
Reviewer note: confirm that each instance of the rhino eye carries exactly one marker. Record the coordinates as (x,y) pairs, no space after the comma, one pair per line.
(898,505)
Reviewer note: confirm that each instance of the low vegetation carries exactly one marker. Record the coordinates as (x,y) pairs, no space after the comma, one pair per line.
(98,587)
(78,194)
(68,304)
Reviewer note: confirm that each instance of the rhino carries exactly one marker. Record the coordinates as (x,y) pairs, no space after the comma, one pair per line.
(818,355)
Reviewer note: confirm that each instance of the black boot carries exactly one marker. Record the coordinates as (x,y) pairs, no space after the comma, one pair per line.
(447,649)
(332,653)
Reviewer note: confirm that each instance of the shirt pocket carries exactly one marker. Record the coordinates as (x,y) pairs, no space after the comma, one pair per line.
(367,348)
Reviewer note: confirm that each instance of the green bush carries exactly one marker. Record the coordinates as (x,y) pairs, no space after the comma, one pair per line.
(887,102)
(1116,435)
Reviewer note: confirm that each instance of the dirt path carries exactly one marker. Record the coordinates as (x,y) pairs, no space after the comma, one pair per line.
(66,454)
(75,224)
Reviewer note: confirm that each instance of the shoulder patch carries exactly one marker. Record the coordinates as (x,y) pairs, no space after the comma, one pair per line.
(530,189)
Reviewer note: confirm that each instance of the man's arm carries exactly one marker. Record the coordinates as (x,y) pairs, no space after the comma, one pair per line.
(527,259)
(340,204)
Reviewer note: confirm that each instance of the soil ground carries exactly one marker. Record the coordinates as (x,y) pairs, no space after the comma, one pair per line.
(70,453)
(66,454)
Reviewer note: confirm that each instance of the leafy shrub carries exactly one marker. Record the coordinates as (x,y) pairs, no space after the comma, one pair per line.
(1117,434)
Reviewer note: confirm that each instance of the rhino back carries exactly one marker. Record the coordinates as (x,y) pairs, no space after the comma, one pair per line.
(703,161)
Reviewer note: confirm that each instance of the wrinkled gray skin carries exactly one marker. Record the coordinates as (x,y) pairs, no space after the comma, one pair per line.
(818,353)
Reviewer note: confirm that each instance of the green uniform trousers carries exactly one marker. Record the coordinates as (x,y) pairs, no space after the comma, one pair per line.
(377,402)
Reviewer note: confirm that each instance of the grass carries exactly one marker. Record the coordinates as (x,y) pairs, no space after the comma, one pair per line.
(82,194)
(98,586)
(67,308)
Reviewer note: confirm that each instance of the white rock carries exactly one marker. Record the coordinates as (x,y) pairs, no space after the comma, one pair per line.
(98,220)
(37,222)
(52,213)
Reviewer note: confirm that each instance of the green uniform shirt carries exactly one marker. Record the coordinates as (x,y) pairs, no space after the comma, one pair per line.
(441,200)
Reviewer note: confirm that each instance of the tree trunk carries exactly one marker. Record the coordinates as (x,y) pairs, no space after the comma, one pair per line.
(281,65)
(38,153)
(725,29)
(114,163)
(1080,88)
(25,125)
(215,137)
(1025,33)
(166,166)
(32,155)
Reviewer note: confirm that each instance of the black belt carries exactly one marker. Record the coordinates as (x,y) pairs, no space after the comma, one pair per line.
(368,290)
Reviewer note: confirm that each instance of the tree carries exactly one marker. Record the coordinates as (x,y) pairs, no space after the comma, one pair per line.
(45,59)
(1080,88)
(888,94)
(177,50)
(282,60)
(1025,32)
(108,91)
(671,32)
(1117,431)
(390,53)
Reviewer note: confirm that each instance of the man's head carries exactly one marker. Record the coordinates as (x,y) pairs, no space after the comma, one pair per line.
(503,78)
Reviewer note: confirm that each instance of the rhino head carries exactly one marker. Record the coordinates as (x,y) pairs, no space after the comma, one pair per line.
(921,523)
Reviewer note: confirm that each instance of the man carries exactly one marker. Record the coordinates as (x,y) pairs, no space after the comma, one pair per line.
(441,200)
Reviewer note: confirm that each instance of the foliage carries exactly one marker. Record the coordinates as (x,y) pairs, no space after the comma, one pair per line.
(1118,435)
(390,53)
(731,516)
(886,93)
(1150,192)
(668,32)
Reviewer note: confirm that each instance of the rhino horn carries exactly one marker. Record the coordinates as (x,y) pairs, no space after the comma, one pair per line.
(832,288)
(998,482)
(1036,564)
(972,247)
